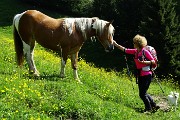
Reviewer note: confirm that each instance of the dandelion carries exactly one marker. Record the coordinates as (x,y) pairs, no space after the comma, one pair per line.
(6,79)
(6,88)
(32,118)
(20,87)
(38,94)
(3,91)
(25,85)
(55,107)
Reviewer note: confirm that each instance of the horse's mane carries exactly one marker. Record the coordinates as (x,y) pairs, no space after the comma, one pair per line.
(99,26)
(85,24)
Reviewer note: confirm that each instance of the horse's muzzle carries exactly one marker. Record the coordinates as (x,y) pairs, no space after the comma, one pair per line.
(110,48)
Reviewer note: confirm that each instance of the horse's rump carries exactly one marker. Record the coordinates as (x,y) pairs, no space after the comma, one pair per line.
(45,30)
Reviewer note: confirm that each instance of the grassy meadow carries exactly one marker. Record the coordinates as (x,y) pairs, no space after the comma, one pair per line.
(102,96)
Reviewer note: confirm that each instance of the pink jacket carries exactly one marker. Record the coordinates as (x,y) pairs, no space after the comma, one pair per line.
(139,56)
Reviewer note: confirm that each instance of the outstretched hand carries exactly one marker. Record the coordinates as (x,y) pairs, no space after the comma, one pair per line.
(114,43)
(118,46)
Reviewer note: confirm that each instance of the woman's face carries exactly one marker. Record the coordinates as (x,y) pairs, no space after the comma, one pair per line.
(135,44)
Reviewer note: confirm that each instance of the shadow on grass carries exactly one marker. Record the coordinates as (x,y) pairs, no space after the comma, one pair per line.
(49,77)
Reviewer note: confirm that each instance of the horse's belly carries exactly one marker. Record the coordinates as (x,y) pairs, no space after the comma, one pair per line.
(74,49)
(50,45)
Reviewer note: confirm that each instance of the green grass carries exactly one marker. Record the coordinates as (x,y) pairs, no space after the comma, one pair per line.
(102,96)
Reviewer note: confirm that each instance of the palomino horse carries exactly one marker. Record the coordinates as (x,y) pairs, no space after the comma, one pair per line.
(66,35)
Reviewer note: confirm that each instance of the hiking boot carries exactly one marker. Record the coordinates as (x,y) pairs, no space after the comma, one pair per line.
(147,111)
(156,108)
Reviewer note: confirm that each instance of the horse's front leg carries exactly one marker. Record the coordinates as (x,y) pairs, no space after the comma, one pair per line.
(63,65)
(64,56)
(74,60)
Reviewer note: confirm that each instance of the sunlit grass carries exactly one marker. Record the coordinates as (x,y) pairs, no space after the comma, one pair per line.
(103,95)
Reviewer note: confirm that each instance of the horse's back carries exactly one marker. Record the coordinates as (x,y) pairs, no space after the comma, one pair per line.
(50,32)
(35,17)
(34,24)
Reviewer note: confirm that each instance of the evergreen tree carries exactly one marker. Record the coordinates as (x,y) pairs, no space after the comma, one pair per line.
(127,19)
(161,27)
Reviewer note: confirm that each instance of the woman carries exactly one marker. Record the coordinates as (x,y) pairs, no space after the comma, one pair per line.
(143,60)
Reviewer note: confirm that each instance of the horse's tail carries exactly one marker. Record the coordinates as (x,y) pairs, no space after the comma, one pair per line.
(18,44)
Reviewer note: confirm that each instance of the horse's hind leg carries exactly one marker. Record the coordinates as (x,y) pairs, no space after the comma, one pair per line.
(29,51)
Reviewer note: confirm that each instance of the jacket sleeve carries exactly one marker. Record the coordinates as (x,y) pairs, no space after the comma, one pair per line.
(130,51)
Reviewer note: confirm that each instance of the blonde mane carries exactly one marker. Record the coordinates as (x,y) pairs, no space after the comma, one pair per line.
(82,24)
(99,26)
(85,24)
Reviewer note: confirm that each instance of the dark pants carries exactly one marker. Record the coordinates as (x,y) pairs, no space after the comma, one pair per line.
(143,84)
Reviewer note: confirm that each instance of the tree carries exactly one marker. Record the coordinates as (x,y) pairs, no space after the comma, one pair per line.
(69,7)
(160,26)
(127,19)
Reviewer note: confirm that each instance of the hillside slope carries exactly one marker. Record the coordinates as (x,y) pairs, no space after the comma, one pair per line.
(102,96)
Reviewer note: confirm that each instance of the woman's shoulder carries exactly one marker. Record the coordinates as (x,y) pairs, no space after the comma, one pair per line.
(145,51)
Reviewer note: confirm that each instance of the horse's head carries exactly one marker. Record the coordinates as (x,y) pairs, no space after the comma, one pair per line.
(104,33)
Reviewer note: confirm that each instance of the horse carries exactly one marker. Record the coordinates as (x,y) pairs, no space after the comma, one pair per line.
(65,35)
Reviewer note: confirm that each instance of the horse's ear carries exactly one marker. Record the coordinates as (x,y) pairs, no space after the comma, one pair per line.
(110,22)
(94,19)
(94,24)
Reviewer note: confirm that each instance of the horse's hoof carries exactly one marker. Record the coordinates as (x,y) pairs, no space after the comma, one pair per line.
(78,81)
(36,75)
(62,76)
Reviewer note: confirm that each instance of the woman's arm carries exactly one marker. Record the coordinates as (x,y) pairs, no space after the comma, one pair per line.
(150,60)
(119,46)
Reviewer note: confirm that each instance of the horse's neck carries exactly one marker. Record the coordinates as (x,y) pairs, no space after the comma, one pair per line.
(85,26)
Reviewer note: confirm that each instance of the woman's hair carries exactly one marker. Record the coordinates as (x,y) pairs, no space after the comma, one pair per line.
(140,41)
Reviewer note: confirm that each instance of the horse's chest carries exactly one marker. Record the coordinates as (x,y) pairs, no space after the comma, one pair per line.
(74,49)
